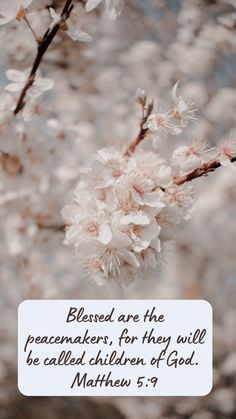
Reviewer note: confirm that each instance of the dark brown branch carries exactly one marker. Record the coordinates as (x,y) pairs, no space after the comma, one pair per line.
(203,170)
(42,48)
(53,227)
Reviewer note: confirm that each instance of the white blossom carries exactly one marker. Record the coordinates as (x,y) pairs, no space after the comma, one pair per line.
(70,27)
(110,235)
(183,110)
(107,168)
(162,123)
(191,156)
(226,152)
(112,7)
(9,9)
(19,78)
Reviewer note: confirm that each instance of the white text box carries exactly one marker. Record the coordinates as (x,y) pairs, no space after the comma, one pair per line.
(115,347)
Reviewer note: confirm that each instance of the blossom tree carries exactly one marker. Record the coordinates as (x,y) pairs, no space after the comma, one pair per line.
(117,175)
(128,202)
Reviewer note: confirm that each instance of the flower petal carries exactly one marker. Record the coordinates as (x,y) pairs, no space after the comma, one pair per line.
(105,234)
(152,199)
(120,240)
(44,84)
(91,4)
(70,213)
(226,162)
(72,234)
(16,75)
(130,258)
(14,87)
(182,106)
(113,8)
(79,35)
(55,17)
(138,218)
(174,92)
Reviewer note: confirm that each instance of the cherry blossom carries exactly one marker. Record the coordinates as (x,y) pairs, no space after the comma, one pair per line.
(226,153)
(111,240)
(107,168)
(189,157)
(162,122)
(88,225)
(127,205)
(9,9)
(70,27)
(19,78)
(183,110)
(112,7)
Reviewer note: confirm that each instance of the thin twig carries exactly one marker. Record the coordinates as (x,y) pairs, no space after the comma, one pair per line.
(37,39)
(146,111)
(203,170)
(42,48)
(141,135)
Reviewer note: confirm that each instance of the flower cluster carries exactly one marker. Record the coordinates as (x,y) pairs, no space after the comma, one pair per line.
(112,7)
(122,212)
(16,9)
(171,121)
(127,205)
(10,10)
(71,28)
(18,80)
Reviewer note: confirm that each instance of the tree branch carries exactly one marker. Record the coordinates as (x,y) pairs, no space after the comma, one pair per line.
(141,135)
(54,227)
(42,48)
(203,170)
(25,18)
(146,111)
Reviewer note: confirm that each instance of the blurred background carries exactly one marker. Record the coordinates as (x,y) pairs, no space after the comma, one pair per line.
(151,45)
